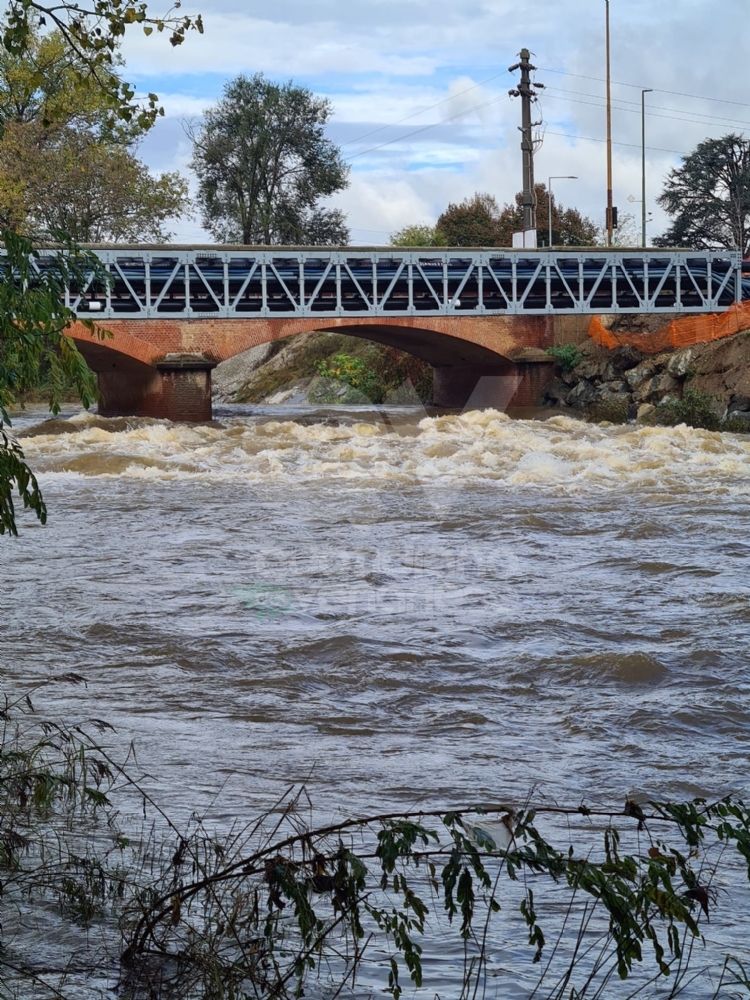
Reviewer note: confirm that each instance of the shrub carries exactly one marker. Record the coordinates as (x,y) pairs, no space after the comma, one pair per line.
(613,411)
(696,409)
(353,372)
(567,356)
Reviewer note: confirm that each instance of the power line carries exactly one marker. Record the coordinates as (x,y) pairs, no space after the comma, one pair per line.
(659,90)
(709,119)
(431,107)
(426,128)
(632,145)
(634,111)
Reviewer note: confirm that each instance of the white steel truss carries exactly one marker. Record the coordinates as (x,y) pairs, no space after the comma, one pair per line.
(320,282)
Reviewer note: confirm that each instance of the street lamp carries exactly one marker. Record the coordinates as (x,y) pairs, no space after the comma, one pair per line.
(556,177)
(643,163)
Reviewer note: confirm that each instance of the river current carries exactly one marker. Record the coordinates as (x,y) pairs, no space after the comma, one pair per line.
(392,608)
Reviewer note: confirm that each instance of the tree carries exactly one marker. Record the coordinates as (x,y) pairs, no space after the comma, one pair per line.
(64,164)
(33,317)
(33,321)
(708,197)
(419,235)
(59,178)
(627,234)
(474,222)
(47,84)
(91,32)
(569,227)
(263,164)
(479,221)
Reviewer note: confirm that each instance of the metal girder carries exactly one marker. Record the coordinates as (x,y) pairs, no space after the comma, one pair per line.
(322,282)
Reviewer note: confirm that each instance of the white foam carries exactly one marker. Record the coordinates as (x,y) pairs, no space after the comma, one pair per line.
(483,445)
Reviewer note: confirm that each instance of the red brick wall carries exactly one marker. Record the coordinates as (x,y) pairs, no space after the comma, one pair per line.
(150,339)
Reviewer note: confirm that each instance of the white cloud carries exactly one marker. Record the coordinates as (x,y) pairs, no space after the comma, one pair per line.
(381,61)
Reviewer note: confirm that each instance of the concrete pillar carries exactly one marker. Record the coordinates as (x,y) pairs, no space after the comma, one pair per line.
(454,385)
(514,384)
(177,388)
(534,376)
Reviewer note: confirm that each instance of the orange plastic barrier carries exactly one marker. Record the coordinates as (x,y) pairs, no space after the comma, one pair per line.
(678,333)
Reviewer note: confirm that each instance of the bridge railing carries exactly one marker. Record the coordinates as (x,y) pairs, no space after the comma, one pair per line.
(178,283)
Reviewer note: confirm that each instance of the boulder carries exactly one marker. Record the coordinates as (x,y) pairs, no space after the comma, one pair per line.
(652,390)
(624,358)
(642,371)
(555,393)
(679,364)
(588,368)
(583,394)
(611,390)
(738,403)
(644,410)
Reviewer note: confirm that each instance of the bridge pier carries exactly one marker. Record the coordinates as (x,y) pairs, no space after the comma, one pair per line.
(517,384)
(177,388)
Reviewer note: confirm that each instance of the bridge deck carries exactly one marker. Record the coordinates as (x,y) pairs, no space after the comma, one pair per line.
(320,282)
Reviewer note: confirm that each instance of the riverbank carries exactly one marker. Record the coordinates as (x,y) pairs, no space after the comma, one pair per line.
(627,384)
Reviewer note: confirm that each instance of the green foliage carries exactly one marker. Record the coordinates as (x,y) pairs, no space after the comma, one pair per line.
(568,356)
(474,222)
(61,179)
(354,372)
(696,409)
(279,909)
(264,163)
(47,85)
(392,369)
(708,197)
(639,887)
(92,34)
(736,425)
(479,221)
(63,164)
(33,321)
(419,235)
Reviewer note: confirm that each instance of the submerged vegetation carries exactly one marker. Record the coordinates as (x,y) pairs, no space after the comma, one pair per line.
(279,908)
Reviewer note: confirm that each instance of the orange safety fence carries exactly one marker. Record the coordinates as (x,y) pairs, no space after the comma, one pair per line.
(681,332)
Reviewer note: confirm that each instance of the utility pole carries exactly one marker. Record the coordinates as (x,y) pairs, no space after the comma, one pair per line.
(610,209)
(527,91)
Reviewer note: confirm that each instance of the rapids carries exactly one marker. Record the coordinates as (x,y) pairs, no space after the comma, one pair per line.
(390,607)
(394,607)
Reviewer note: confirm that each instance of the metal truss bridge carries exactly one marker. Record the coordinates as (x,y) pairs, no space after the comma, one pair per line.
(321,282)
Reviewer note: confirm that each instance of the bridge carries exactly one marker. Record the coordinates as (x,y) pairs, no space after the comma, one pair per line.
(175,312)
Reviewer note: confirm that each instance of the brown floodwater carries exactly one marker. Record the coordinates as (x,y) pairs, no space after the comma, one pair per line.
(392,608)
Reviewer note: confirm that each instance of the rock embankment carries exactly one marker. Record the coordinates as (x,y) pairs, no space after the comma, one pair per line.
(628,384)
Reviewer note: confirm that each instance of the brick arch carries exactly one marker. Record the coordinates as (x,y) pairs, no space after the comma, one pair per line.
(440,340)
(161,367)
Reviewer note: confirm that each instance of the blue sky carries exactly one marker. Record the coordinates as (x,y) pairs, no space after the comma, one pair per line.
(442,66)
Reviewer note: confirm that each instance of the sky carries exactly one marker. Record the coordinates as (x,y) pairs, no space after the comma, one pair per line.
(419,90)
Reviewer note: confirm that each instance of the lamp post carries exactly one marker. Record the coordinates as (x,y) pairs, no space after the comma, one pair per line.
(643,163)
(555,177)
